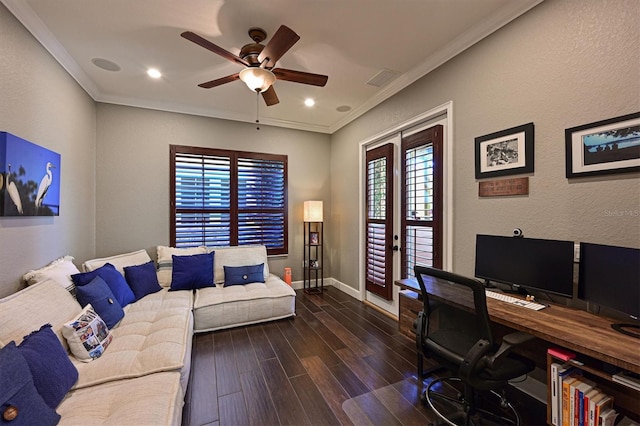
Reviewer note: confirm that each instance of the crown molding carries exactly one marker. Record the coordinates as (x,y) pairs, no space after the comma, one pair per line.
(452,49)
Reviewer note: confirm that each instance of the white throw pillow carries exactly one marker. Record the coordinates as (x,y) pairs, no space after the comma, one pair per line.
(87,335)
(165,261)
(133,258)
(237,256)
(60,271)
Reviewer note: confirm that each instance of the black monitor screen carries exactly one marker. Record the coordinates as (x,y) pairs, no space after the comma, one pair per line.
(545,265)
(610,277)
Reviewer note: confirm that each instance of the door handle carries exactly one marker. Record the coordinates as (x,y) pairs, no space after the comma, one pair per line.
(395,248)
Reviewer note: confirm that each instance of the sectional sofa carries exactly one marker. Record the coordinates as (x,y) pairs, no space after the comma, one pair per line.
(141,376)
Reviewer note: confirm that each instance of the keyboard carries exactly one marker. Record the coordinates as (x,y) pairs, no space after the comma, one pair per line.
(514,300)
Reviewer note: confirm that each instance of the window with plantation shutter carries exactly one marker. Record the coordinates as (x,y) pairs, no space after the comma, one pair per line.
(222,198)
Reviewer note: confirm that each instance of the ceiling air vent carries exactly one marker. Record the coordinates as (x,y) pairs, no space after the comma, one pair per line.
(383,77)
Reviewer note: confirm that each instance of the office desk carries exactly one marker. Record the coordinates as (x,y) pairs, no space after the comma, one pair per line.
(589,336)
(579,331)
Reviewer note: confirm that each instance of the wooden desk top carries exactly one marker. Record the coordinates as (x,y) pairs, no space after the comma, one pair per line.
(577,330)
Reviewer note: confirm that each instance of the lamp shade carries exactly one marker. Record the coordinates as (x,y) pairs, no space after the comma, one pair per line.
(313,211)
(257,79)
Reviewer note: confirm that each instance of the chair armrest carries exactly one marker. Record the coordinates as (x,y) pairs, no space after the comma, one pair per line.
(508,343)
(517,338)
(419,325)
(471,362)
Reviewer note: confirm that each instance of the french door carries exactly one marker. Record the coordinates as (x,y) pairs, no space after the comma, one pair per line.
(379,221)
(419,206)
(422,200)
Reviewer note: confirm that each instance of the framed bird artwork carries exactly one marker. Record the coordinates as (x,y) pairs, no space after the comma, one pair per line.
(29,178)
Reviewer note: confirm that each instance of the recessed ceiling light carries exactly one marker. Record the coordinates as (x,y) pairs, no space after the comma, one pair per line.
(343,108)
(154,73)
(309,102)
(105,64)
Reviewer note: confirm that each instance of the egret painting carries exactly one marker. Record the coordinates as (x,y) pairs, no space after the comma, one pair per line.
(29,178)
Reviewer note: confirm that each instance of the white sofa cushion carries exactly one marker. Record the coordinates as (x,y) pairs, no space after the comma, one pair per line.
(154,335)
(220,307)
(59,270)
(119,261)
(165,260)
(237,256)
(156,399)
(27,310)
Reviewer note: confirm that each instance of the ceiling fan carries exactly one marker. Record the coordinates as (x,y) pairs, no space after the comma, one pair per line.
(259,61)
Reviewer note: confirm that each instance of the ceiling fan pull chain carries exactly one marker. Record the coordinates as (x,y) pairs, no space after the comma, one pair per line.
(257,109)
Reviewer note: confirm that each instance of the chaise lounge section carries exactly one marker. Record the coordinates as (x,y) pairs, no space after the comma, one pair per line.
(150,351)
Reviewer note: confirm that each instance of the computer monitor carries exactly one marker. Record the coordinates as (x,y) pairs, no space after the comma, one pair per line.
(610,277)
(534,264)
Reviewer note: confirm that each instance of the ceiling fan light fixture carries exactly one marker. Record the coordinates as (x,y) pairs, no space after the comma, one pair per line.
(257,79)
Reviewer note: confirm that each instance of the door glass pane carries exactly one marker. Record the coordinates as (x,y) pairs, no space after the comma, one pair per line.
(419,183)
(377,188)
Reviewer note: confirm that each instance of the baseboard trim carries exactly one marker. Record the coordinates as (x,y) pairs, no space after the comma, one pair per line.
(382,311)
(331,282)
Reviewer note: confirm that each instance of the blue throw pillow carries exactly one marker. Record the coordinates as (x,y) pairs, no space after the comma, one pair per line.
(99,295)
(52,371)
(240,275)
(142,279)
(114,280)
(191,272)
(18,391)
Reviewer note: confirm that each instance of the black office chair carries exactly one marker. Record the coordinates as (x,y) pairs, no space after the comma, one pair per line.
(453,328)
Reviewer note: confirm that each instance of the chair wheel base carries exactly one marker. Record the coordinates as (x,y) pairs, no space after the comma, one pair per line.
(463,411)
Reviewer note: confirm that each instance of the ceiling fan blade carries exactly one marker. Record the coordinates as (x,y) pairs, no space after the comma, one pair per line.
(270,97)
(300,77)
(200,41)
(219,81)
(281,41)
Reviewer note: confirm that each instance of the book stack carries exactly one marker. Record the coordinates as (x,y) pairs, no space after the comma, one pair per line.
(576,400)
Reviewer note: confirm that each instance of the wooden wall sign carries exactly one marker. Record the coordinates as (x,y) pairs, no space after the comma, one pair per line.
(504,187)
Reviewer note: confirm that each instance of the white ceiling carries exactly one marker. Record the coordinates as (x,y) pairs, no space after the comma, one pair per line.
(348,40)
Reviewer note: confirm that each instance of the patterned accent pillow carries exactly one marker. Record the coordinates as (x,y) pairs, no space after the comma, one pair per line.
(87,335)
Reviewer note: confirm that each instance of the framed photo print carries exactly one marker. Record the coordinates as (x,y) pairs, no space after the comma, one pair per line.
(314,238)
(503,153)
(604,147)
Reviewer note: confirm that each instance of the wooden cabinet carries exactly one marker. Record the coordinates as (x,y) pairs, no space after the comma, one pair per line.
(409,305)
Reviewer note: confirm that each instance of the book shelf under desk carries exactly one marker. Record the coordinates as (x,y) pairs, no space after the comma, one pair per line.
(626,399)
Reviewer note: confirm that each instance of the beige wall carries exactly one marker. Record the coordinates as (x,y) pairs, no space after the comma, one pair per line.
(562,64)
(133,174)
(40,102)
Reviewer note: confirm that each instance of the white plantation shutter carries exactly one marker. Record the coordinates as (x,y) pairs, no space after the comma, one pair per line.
(222,198)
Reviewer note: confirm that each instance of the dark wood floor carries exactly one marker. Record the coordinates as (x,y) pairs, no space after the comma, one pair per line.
(301,370)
